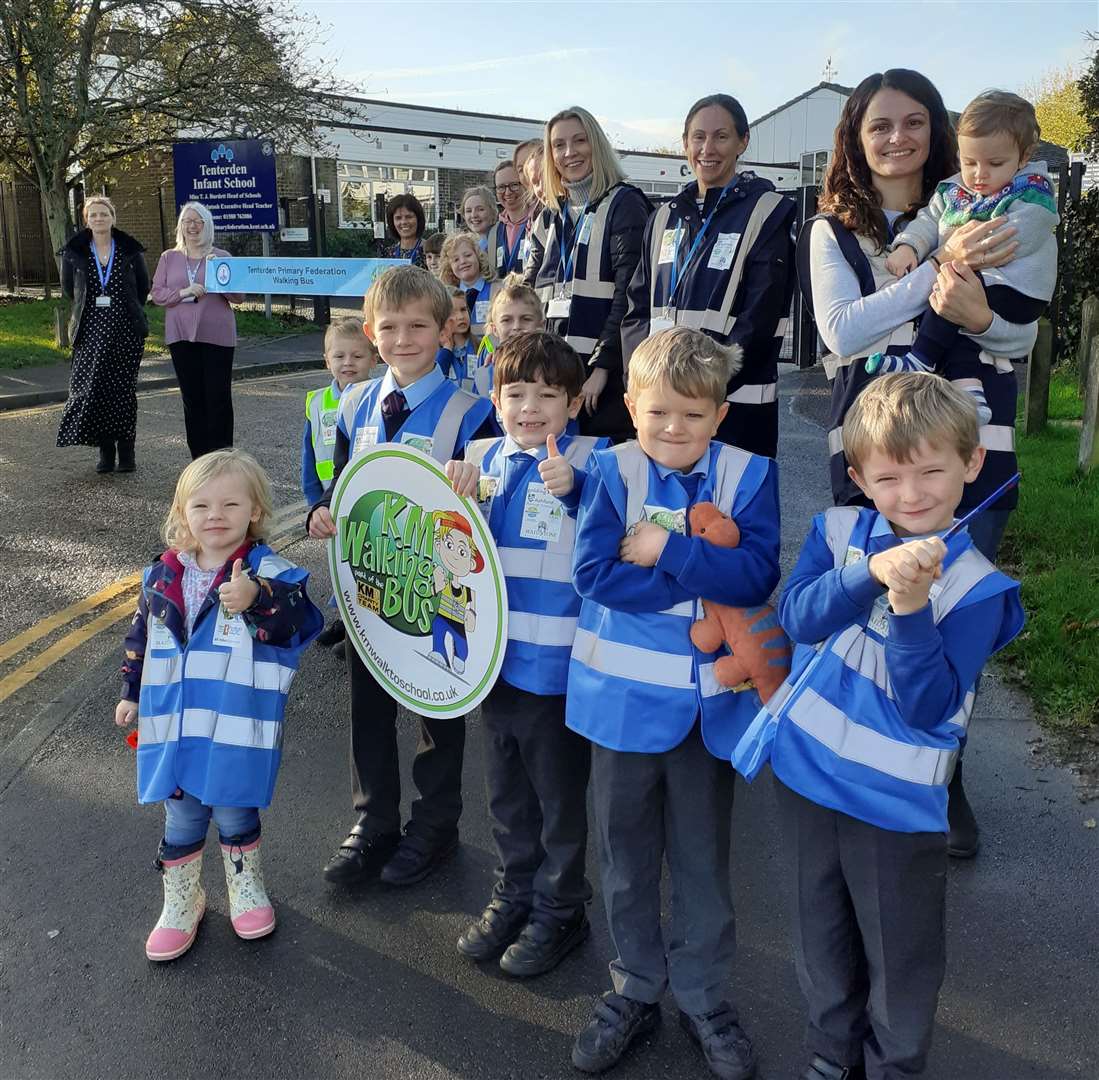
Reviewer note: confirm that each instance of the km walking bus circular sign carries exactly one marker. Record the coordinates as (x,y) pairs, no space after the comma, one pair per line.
(418,581)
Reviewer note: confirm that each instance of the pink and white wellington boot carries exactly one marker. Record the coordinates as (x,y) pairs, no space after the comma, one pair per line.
(184,906)
(249,907)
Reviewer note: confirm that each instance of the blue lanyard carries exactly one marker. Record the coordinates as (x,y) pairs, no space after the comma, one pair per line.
(575,239)
(509,256)
(103,277)
(411,256)
(675,278)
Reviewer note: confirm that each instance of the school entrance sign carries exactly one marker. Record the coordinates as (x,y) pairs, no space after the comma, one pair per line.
(418,582)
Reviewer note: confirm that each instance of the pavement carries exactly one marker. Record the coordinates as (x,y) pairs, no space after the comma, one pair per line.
(368,983)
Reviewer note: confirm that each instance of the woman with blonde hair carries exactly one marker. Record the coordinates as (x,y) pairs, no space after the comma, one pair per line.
(582,262)
(200,331)
(103,273)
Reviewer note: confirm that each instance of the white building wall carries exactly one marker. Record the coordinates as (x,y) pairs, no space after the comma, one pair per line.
(805,126)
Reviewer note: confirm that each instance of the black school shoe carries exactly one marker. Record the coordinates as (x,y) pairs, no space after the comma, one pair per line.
(727,1049)
(499,925)
(332,634)
(416,857)
(361,856)
(105,462)
(821,1068)
(964,837)
(544,943)
(615,1024)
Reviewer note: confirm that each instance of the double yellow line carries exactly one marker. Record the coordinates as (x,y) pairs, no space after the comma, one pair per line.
(283,535)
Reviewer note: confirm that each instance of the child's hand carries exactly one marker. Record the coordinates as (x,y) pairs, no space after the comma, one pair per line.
(907,571)
(463,476)
(239,592)
(446,338)
(902,261)
(125,713)
(643,544)
(555,471)
(321,525)
(438,578)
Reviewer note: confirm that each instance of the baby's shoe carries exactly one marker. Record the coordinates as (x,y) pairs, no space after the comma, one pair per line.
(249,908)
(184,906)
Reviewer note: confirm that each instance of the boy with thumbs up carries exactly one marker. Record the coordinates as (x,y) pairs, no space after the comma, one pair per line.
(528,486)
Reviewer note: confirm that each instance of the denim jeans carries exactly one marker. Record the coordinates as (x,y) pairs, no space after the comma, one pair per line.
(186,821)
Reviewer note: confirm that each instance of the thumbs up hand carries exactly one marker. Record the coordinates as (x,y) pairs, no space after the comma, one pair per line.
(555,471)
(239,592)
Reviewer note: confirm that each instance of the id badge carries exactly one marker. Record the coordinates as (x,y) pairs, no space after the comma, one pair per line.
(667,246)
(364,437)
(229,629)
(418,442)
(184,300)
(160,637)
(543,515)
(480,312)
(664,319)
(879,617)
(500,256)
(721,255)
(328,428)
(559,307)
(102,301)
(585,229)
(487,486)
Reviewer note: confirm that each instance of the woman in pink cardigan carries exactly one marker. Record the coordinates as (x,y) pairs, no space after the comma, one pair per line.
(200,331)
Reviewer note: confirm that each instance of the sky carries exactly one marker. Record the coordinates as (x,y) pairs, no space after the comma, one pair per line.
(638,66)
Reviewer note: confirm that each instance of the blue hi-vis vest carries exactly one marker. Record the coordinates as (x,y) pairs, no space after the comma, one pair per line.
(591,287)
(542,604)
(833,731)
(439,426)
(848,378)
(636,681)
(322,408)
(210,715)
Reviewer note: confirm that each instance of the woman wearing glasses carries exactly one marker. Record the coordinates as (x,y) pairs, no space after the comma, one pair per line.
(509,238)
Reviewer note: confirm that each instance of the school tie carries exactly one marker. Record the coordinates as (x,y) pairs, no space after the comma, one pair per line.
(471,300)
(394,406)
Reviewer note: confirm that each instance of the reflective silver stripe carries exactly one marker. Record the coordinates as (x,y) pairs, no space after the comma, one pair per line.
(633,663)
(708,686)
(998,437)
(864,746)
(633,467)
(835,441)
(541,629)
(660,223)
(966,571)
(237,667)
(754,394)
(271,565)
(863,654)
(714,321)
(231,730)
(780,329)
(157,729)
(831,364)
(900,338)
(598,290)
(839,524)
(961,717)
(730,466)
(482,380)
(445,436)
(161,670)
(534,563)
(685,609)
(583,345)
(593,258)
(349,402)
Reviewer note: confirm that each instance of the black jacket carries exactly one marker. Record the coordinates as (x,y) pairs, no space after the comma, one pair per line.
(129,261)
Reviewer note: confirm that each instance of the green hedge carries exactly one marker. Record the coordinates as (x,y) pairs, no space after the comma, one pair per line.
(1079,269)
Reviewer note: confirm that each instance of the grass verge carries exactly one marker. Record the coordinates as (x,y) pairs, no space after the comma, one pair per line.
(26,331)
(1052,544)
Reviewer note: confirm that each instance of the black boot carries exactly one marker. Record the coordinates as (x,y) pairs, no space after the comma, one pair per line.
(964,837)
(126,461)
(106,457)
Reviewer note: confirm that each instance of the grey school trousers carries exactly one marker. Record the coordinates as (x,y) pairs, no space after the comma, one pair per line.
(677,806)
(869,933)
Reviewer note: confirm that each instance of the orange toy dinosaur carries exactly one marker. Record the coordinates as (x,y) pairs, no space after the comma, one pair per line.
(760,650)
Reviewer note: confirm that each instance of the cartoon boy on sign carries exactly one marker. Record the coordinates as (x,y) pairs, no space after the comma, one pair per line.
(457,557)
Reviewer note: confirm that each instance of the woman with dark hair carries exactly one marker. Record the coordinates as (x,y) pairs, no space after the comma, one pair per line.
(405,217)
(583,253)
(718,258)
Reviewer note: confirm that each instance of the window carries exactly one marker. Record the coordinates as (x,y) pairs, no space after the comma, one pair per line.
(360,184)
(813,166)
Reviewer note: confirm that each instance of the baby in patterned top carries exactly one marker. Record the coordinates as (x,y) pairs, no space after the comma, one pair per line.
(997,134)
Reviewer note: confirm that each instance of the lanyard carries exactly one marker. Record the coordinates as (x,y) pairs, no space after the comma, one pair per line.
(675,274)
(575,239)
(104,277)
(509,256)
(411,256)
(191,274)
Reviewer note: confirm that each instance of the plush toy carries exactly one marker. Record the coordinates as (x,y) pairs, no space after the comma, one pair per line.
(760,650)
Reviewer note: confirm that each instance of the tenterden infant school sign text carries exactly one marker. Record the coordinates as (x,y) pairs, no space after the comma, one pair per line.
(233,178)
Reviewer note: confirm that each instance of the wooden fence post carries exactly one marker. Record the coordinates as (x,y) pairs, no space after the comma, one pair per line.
(1037,380)
(1089,329)
(1089,434)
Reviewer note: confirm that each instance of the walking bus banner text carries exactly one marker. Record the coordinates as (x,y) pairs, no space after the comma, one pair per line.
(300,277)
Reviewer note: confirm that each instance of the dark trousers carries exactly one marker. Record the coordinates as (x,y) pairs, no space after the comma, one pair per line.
(751,427)
(536,776)
(205,375)
(376,770)
(869,932)
(677,806)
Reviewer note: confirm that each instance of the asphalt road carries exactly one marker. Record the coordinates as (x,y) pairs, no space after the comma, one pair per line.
(368,984)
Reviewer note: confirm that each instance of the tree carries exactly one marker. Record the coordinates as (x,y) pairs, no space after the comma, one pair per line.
(1057,103)
(1089,97)
(84,83)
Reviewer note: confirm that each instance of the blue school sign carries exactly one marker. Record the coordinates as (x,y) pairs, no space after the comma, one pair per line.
(298,277)
(233,178)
